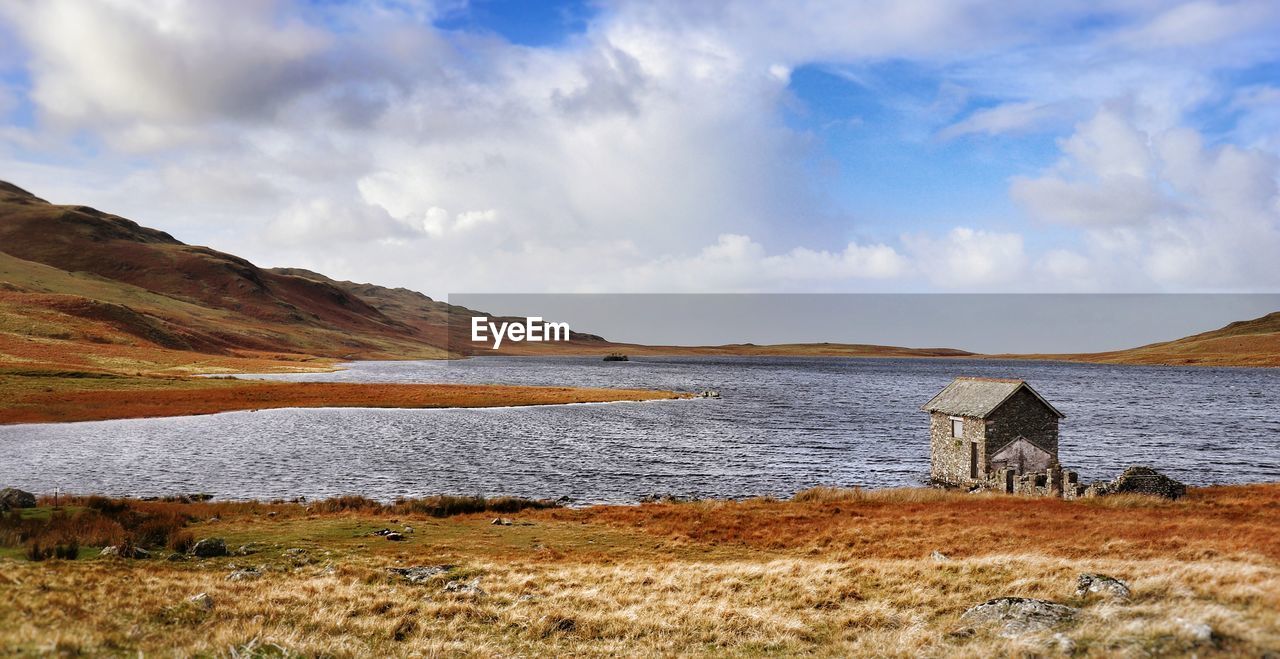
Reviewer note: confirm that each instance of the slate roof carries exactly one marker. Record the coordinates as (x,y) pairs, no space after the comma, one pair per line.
(979,397)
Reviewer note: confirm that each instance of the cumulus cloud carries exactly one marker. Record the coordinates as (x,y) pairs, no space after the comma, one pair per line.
(649,152)
(1185,214)
(966,257)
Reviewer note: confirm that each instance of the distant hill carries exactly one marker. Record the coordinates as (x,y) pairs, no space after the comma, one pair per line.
(1243,343)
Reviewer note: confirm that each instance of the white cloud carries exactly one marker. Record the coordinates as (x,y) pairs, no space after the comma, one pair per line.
(1008,118)
(967,257)
(647,153)
(1166,209)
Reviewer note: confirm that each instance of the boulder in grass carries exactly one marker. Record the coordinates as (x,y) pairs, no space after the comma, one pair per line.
(11,497)
(419,573)
(1101,584)
(209,548)
(1019,616)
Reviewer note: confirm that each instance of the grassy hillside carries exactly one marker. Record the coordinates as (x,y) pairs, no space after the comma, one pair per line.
(1244,343)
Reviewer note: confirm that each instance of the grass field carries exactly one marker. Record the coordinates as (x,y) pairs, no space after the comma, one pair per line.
(831,573)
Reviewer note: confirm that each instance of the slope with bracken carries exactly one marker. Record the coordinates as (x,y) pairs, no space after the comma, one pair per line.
(76,275)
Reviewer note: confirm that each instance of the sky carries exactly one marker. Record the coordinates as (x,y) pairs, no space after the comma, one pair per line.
(670,146)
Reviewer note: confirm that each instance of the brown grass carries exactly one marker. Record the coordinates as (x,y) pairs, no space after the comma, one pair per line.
(1238,521)
(670,579)
(187,397)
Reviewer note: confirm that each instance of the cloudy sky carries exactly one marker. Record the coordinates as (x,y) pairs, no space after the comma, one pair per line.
(874,145)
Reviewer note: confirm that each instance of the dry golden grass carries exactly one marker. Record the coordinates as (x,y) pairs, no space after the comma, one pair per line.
(108,398)
(628,581)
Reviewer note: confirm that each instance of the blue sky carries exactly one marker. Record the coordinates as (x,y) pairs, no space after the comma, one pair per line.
(670,146)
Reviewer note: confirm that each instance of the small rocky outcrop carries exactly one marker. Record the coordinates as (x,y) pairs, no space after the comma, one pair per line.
(209,548)
(11,498)
(471,588)
(1143,480)
(1101,584)
(202,601)
(1200,631)
(939,557)
(1019,616)
(244,574)
(419,573)
(249,548)
(126,551)
(501,521)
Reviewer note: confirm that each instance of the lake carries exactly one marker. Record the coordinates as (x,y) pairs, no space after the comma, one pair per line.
(782,425)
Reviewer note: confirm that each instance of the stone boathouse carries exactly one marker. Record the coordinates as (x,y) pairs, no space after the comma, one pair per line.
(991,432)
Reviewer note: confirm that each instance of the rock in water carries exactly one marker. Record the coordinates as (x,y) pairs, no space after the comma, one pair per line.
(14,498)
(209,548)
(1101,584)
(1018,616)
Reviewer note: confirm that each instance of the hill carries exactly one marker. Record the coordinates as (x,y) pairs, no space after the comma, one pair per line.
(1253,342)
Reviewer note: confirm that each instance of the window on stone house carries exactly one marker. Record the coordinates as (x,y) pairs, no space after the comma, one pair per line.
(957,427)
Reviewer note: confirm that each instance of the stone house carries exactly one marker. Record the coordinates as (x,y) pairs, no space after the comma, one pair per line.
(984,429)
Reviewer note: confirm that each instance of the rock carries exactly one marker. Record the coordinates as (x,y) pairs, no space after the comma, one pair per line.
(1101,584)
(296,551)
(202,601)
(465,588)
(114,551)
(394,537)
(501,521)
(1200,631)
(209,548)
(244,574)
(408,529)
(940,557)
(1144,480)
(1018,616)
(176,556)
(1063,643)
(419,573)
(11,497)
(250,548)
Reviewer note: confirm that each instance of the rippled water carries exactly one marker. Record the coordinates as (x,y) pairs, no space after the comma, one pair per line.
(783,424)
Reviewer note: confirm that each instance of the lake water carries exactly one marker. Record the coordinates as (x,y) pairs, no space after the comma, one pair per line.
(782,425)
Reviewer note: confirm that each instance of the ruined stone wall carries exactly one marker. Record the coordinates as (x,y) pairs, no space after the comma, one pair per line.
(950,456)
(1023,415)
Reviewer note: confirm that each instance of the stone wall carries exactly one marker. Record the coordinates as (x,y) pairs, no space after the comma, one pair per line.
(1023,415)
(950,456)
